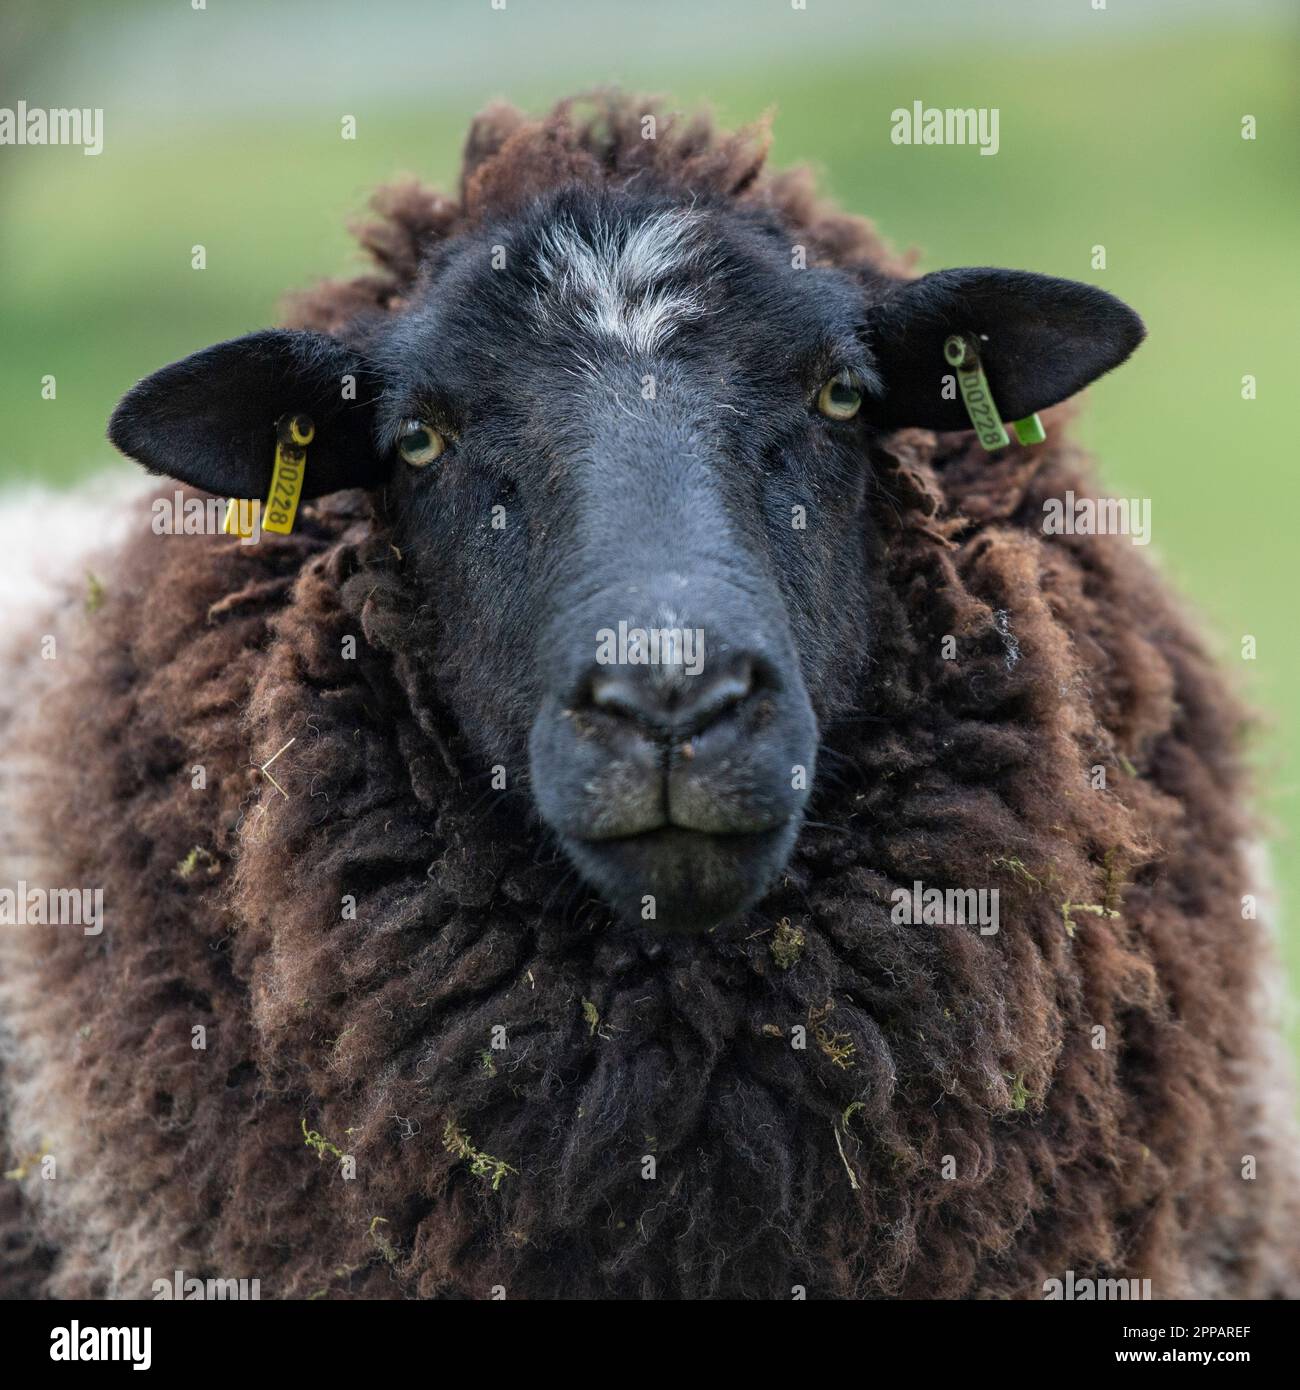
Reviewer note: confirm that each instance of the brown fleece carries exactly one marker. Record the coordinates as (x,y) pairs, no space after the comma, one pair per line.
(956,1124)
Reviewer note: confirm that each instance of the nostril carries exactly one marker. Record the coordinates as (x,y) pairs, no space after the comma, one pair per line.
(715,698)
(671,702)
(617,694)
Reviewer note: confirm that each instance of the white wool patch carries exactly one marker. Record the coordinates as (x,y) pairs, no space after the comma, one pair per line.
(48,535)
(1264,1079)
(1271,1075)
(610,281)
(49,540)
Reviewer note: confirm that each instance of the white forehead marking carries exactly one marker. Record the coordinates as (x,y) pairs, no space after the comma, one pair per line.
(615,288)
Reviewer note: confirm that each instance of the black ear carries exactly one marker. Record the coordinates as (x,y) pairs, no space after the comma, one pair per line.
(1039,340)
(210,419)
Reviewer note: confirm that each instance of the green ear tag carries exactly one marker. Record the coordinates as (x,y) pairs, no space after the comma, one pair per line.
(1029,430)
(960,351)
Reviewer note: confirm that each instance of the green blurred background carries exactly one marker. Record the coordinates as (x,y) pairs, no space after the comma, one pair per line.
(1119,126)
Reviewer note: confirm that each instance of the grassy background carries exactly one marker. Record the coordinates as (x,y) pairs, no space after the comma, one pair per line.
(1113,131)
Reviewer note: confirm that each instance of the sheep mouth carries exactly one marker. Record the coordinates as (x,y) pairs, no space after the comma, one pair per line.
(672,831)
(672,836)
(677,879)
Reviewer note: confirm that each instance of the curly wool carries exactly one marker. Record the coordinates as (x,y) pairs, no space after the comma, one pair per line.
(951,1127)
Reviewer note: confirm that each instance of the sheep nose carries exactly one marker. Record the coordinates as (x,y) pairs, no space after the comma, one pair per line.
(671,702)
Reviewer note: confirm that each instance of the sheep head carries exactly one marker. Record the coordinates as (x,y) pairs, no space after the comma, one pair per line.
(620,438)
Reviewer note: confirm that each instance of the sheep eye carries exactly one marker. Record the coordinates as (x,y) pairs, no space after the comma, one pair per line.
(839,399)
(420,443)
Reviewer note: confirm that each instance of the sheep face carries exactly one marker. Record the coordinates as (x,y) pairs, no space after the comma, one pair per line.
(619,532)
(622,444)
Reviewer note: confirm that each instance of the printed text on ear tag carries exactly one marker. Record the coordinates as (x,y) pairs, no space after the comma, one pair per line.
(960,351)
(292,434)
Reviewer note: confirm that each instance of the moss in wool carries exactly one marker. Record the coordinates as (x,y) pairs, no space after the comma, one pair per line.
(385,1246)
(1020,1096)
(591,1016)
(482,1165)
(94,593)
(1068,909)
(196,857)
(24,1165)
(1113,890)
(787,944)
(838,1046)
(317,1141)
(1017,867)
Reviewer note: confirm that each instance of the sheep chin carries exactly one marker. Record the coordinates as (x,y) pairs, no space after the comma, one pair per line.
(675,880)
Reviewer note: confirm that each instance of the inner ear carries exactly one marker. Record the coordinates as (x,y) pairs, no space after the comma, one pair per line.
(209,419)
(1039,339)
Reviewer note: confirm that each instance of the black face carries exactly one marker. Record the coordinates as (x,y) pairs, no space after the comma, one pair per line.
(644,531)
(620,441)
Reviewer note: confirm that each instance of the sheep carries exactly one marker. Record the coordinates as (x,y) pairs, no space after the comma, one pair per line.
(440,959)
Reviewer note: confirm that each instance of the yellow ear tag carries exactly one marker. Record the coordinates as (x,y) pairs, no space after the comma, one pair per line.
(292,435)
(238,519)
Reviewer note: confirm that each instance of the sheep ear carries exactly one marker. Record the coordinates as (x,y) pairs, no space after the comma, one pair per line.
(210,419)
(1039,340)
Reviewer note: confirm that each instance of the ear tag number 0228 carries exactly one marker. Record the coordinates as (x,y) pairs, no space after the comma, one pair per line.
(961,353)
(292,435)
